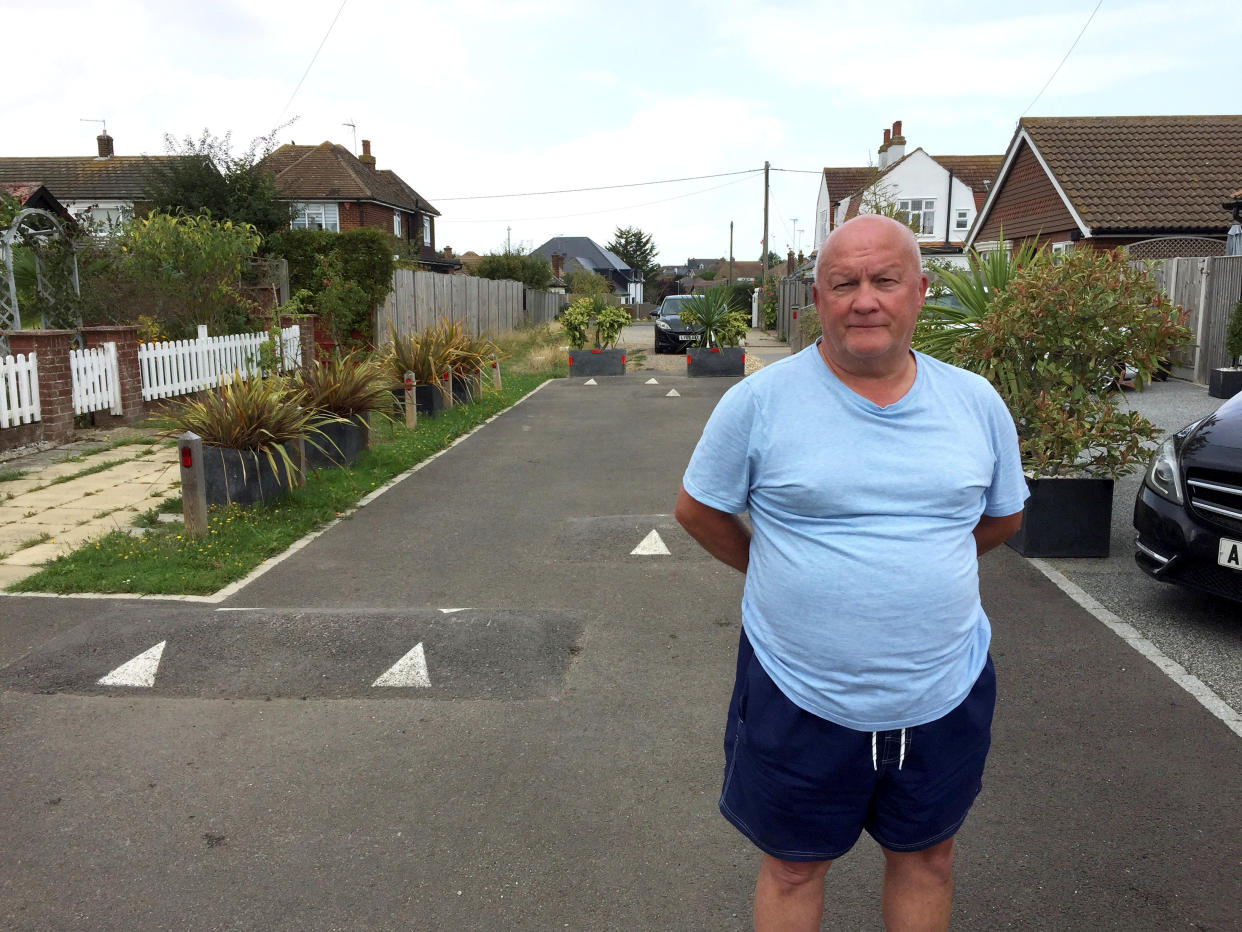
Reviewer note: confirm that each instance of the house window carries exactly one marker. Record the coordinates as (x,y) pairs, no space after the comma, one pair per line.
(316,217)
(427,231)
(396,223)
(920,213)
(962,220)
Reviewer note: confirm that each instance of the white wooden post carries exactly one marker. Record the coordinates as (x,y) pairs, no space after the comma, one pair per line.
(193,484)
(411,408)
(495,372)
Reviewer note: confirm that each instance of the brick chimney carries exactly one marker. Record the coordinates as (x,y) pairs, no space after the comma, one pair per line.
(896,144)
(448,252)
(558,265)
(104,141)
(883,151)
(367,158)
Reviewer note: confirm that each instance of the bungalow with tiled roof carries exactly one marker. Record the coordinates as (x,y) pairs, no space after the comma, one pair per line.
(941,194)
(1153,184)
(105,187)
(332,189)
(568,253)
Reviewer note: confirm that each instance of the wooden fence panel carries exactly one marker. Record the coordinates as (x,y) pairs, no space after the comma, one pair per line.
(1221,290)
(418,300)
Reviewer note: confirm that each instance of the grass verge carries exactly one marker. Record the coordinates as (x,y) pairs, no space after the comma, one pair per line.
(168,562)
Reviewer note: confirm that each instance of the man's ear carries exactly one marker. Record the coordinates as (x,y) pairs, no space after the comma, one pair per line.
(815,293)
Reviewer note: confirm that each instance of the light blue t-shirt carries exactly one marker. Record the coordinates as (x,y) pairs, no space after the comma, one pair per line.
(862,592)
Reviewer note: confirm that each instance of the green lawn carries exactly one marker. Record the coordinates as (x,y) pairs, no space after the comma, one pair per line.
(168,562)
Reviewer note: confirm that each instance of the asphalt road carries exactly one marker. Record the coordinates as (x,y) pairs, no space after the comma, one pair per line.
(550,756)
(1200,632)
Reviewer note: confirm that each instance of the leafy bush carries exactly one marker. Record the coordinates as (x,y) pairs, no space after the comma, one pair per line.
(1052,344)
(532,271)
(1233,335)
(975,289)
(769,304)
(342,277)
(713,311)
(608,319)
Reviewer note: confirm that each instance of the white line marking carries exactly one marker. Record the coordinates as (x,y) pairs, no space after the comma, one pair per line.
(1128,633)
(410,670)
(673,393)
(239,610)
(652,545)
(449,611)
(590,382)
(651,382)
(137,672)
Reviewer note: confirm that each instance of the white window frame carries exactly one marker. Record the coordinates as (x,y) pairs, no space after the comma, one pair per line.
(427,230)
(396,223)
(316,215)
(961,220)
(925,211)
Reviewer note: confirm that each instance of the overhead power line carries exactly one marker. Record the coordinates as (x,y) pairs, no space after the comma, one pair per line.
(314,57)
(1063,60)
(605,187)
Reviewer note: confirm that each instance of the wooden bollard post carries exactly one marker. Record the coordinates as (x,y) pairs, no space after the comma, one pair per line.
(411,406)
(448,388)
(193,484)
(495,372)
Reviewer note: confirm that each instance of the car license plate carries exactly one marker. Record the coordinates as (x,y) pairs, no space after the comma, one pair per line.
(1230,553)
(684,337)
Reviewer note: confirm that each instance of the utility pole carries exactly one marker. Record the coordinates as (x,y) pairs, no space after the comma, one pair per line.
(763,263)
(508,248)
(730,252)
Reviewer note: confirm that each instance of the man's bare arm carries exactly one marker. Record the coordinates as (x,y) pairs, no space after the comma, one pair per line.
(721,534)
(992,531)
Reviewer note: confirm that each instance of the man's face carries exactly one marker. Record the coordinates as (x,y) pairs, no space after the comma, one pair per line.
(868,296)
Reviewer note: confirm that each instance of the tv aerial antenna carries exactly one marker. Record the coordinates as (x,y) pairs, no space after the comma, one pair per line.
(353,126)
(103,123)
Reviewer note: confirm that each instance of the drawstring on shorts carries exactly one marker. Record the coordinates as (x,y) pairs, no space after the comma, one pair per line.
(901,757)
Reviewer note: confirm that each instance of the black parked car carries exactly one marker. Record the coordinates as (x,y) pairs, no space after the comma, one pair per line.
(671,335)
(1189,510)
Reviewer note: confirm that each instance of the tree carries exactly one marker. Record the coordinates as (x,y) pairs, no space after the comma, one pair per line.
(638,251)
(586,282)
(209,177)
(879,197)
(531,270)
(773,259)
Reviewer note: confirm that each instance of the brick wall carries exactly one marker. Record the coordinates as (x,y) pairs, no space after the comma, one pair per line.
(55,394)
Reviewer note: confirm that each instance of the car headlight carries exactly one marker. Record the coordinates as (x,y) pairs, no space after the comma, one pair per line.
(1164,476)
(663,325)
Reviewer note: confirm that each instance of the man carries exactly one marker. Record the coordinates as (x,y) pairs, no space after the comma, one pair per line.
(874,477)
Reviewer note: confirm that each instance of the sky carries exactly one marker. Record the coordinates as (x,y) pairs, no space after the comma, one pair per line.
(467,101)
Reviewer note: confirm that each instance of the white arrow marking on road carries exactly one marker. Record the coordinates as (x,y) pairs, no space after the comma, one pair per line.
(137,672)
(590,382)
(449,611)
(673,393)
(651,382)
(410,670)
(652,545)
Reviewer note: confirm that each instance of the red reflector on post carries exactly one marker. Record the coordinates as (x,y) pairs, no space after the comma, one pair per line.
(623,359)
(187,458)
(795,317)
(571,359)
(687,359)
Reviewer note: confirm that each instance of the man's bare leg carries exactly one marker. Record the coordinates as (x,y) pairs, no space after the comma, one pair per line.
(918,889)
(789,895)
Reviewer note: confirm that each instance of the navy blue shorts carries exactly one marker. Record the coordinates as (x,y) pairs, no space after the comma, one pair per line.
(803,788)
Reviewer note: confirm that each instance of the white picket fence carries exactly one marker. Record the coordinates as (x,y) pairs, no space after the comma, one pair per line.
(19,390)
(178,367)
(96,379)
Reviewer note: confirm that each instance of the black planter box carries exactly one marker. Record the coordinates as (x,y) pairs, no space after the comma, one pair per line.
(1224,383)
(428,399)
(467,389)
(1066,518)
(716,360)
(593,362)
(337,444)
(243,477)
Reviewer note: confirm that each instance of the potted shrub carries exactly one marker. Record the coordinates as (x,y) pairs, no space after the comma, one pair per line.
(594,319)
(248,427)
(722,327)
(1051,343)
(427,357)
(344,392)
(1226,381)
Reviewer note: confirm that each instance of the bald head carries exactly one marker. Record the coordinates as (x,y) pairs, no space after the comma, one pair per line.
(896,234)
